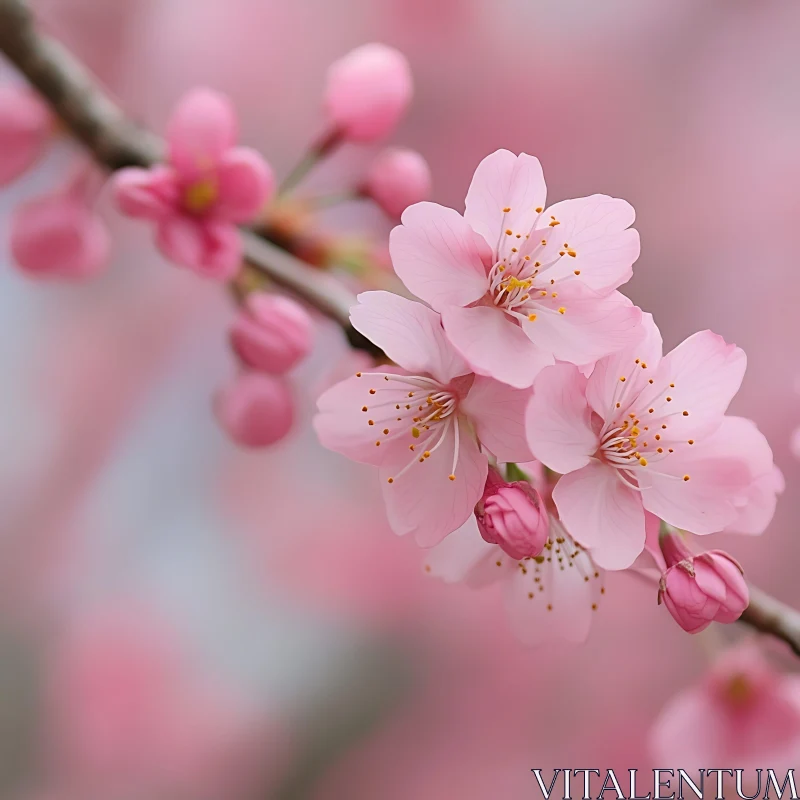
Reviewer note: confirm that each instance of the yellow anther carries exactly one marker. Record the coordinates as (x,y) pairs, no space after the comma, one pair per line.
(562,310)
(531,317)
(686,477)
(452,477)
(506,209)
(200,196)
(415,433)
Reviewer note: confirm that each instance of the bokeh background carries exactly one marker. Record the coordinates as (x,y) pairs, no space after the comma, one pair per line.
(182,619)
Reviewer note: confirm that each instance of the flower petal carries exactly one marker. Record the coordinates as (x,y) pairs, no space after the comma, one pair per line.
(410,333)
(504,180)
(494,345)
(602,514)
(146,193)
(597,230)
(559,421)
(424,501)
(439,257)
(245,184)
(201,129)
(210,249)
(498,413)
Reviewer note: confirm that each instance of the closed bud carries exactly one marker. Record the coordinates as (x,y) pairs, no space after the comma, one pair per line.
(700,589)
(397,179)
(255,410)
(25,127)
(272,333)
(367,92)
(513,516)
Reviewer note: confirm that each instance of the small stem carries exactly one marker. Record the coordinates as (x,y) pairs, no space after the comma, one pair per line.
(335,199)
(321,148)
(770,616)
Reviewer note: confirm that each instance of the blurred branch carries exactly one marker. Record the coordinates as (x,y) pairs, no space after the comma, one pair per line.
(770,616)
(114,141)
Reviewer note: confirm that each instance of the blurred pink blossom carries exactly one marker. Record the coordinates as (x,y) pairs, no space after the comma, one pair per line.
(255,410)
(272,333)
(647,433)
(519,285)
(398,178)
(422,423)
(367,92)
(25,127)
(207,187)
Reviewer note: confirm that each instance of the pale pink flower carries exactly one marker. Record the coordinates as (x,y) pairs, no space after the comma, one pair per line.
(700,589)
(428,425)
(513,516)
(255,410)
(518,284)
(61,235)
(743,713)
(649,433)
(367,92)
(550,597)
(207,187)
(272,333)
(25,127)
(398,178)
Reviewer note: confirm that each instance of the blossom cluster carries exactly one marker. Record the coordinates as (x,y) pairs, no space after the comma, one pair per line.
(530,429)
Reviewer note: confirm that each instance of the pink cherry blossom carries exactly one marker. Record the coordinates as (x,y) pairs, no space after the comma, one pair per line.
(61,235)
(207,187)
(25,127)
(367,92)
(742,713)
(700,589)
(550,597)
(256,410)
(649,433)
(518,284)
(397,179)
(272,333)
(428,424)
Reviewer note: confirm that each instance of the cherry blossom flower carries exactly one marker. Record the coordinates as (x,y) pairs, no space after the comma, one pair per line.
(549,597)
(518,284)
(428,425)
(649,433)
(207,187)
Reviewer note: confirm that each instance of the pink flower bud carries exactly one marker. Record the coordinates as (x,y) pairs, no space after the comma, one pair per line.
(513,516)
(397,179)
(59,236)
(272,333)
(25,126)
(699,590)
(256,410)
(367,92)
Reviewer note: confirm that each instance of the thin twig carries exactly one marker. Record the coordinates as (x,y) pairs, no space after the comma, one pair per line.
(768,615)
(114,141)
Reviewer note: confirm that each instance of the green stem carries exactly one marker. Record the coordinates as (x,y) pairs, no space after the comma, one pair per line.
(321,148)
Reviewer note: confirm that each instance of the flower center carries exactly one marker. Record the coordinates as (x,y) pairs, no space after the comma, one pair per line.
(199,196)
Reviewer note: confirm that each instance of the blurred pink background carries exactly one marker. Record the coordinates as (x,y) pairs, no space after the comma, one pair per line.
(322,662)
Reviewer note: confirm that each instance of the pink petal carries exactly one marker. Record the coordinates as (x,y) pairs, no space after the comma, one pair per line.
(597,230)
(424,501)
(504,180)
(494,345)
(439,257)
(762,498)
(245,182)
(146,193)
(602,514)
(553,600)
(591,327)
(559,420)
(464,557)
(25,127)
(210,249)
(605,389)
(498,413)
(410,333)
(202,128)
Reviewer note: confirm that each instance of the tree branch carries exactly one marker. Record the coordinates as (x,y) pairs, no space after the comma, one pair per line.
(114,141)
(768,615)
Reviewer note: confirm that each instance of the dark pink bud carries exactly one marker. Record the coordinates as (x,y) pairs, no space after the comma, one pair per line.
(397,179)
(272,333)
(513,516)
(699,590)
(367,92)
(256,410)
(25,127)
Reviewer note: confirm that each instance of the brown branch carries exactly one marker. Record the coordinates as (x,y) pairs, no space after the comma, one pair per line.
(770,616)
(114,141)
